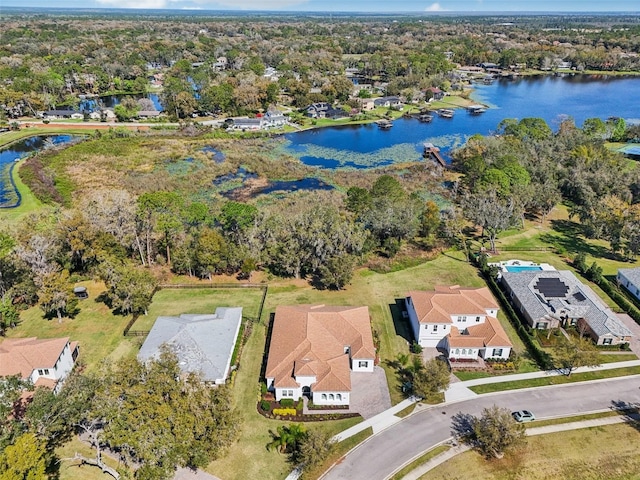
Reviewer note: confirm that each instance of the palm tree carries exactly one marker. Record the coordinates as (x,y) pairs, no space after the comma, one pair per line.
(287,438)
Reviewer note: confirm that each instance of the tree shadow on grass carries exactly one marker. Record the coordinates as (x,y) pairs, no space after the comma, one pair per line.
(400,323)
(629,410)
(571,240)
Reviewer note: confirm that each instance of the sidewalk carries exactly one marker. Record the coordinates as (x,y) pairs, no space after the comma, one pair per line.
(459,391)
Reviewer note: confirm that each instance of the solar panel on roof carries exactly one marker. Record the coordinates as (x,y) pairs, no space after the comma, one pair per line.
(552,287)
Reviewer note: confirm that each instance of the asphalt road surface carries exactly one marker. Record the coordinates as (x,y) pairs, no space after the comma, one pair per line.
(382,454)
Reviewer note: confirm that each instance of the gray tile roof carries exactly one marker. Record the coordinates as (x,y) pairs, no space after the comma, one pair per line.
(579,302)
(203,342)
(631,274)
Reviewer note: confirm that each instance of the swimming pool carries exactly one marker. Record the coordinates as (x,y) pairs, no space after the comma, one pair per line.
(521,268)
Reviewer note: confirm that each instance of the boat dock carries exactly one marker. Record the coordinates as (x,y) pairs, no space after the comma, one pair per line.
(384,124)
(445,113)
(425,117)
(432,152)
(476,109)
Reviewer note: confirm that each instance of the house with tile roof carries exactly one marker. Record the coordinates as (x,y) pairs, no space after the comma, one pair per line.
(460,321)
(548,299)
(202,342)
(43,362)
(315,348)
(629,278)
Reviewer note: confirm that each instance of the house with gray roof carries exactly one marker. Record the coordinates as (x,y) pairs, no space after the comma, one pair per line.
(629,278)
(548,299)
(202,342)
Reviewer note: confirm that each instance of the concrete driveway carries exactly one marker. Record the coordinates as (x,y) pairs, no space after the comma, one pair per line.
(635,329)
(188,474)
(369,393)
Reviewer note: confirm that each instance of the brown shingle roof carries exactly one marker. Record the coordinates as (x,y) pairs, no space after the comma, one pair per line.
(309,340)
(20,356)
(439,305)
(492,332)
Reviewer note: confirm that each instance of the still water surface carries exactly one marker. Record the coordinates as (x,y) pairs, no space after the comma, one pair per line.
(549,97)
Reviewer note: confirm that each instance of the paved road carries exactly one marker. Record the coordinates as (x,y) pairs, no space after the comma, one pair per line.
(383,453)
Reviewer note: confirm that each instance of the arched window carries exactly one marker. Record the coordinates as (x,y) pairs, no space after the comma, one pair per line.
(457,351)
(338,396)
(324,396)
(464,351)
(331,396)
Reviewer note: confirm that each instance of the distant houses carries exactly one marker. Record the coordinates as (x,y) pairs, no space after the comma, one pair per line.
(629,278)
(271,119)
(388,102)
(324,110)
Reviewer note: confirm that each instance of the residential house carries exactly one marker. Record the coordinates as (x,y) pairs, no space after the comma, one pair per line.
(245,124)
(461,321)
(629,278)
(148,114)
(367,104)
(57,114)
(324,110)
(388,102)
(44,362)
(315,348)
(275,118)
(436,93)
(202,342)
(548,299)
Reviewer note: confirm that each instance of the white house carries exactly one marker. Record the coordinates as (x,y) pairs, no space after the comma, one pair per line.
(44,362)
(314,349)
(458,320)
(629,278)
(202,342)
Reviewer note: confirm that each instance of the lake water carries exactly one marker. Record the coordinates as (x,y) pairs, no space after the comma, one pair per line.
(18,150)
(552,98)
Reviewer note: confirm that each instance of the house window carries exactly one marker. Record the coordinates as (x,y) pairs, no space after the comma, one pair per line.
(457,351)
(331,396)
(40,372)
(477,319)
(46,371)
(464,351)
(324,396)
(607,341)
(363,364)
(338,396)
(462,319)
(435,328)
(347,349)
(497,352)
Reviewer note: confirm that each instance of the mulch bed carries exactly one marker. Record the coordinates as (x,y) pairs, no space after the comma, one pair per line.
(315,417)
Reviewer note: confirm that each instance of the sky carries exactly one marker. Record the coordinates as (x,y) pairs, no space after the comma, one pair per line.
(426,6)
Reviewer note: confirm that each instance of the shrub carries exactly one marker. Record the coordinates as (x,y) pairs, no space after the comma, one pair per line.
(286,402)
(263,388)
(265,406)
(300,406)
(285,411)
(415,347)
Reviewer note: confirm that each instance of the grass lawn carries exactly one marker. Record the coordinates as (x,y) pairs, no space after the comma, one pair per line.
(71,469)
(28,204)
(555,380)
(601,453)
(175,301)
(95,327)
(400,474)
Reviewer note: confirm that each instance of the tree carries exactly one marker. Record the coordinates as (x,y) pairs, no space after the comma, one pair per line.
(337,271)
(287,438)
(55,295)
(493,434)
(314,448)
(490,212)
(26,459)
(572,354)
(429,219)
(431,378)
(156,416)
(129,288)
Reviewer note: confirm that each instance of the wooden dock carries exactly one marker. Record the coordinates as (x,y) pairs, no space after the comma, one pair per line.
(432,152)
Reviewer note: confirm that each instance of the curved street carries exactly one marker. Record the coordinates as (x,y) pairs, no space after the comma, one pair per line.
(383,453)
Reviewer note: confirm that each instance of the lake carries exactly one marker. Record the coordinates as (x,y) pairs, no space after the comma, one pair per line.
(552,98)
(9,197)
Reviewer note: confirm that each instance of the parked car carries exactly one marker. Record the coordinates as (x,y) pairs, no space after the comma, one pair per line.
(523,416)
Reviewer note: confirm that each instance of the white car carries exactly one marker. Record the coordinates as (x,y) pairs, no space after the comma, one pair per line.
(523,416)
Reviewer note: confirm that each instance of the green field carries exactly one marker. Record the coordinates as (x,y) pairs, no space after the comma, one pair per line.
(601,453)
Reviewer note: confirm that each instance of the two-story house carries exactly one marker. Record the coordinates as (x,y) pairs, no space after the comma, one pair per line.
(44,362)
(314,349)
(461,321)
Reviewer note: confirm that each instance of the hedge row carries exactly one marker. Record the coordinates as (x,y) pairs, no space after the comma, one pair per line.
(285,411)
(542,358)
